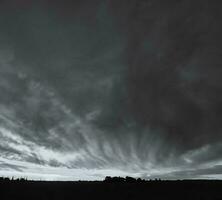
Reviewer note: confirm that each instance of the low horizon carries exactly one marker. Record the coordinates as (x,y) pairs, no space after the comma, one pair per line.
(113,179)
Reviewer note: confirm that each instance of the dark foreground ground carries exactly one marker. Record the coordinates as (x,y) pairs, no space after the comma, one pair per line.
(102,190)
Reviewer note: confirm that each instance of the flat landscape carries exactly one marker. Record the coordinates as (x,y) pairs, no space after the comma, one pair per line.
(198,189)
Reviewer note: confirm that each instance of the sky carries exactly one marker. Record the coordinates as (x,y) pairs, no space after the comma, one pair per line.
(110,88)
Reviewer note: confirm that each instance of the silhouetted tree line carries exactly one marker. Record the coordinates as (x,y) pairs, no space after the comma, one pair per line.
(6,179)
(108,179)
(110,188)
(127,179)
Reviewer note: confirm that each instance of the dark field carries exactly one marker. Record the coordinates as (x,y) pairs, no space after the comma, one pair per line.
(105,190)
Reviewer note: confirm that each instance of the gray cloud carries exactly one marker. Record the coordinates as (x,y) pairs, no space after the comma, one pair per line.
(14,167)
(122,87)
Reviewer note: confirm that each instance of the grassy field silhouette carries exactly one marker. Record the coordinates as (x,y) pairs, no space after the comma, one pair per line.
(111,188)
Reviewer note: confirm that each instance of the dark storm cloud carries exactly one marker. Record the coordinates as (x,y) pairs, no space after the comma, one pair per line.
(174,68)
(55,82)
(112,85)
(53,48)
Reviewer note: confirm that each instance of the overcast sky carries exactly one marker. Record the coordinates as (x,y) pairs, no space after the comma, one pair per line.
(110,87)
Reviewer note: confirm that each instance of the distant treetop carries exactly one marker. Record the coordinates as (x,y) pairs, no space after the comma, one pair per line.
(119,179)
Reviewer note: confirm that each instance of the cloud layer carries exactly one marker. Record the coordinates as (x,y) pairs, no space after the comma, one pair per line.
(110,88)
